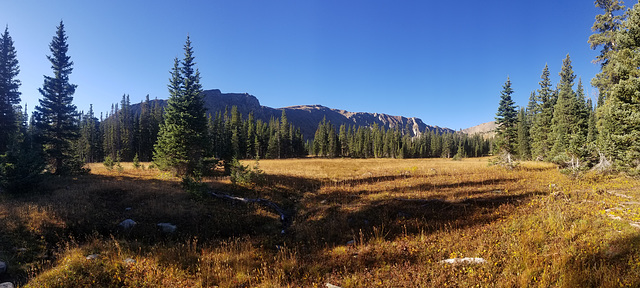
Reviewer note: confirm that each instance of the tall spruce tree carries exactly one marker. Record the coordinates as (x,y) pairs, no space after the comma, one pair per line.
(524,150)
(20,162)
(9,94)
(619,120)
(540,128)
(56,116)
(606,28)
(182,137)
(506,120)
(564,112)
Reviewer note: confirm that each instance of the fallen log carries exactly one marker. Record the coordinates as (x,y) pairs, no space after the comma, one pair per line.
(285,218)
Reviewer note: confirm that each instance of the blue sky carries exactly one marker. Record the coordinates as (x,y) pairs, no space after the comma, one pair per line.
(442,61)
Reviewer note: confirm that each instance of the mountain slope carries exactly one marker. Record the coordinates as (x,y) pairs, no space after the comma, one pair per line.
(486,129)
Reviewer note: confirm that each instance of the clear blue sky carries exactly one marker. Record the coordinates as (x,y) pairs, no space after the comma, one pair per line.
(442,61)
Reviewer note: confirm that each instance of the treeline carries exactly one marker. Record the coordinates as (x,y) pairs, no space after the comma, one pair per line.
(378,142)
(558,125)
(561,125)
(123,133)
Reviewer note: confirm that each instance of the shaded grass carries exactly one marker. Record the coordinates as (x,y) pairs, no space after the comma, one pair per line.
(357,223)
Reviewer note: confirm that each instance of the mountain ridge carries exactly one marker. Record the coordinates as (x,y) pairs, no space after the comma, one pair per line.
(306,117)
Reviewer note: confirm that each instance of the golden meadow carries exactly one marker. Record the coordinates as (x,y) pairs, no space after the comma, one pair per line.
(355,223)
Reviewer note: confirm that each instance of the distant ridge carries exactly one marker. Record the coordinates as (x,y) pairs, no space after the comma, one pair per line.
(487,129)
(306,117)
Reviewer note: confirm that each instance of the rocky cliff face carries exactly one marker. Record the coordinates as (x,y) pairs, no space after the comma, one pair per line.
(487,129)
(307,117)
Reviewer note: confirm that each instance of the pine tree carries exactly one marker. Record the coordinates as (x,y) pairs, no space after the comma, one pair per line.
(147,139)
(564,112)
(182,137)
(9,94)
(619,123)
(606,28)
(524,151)
(506,120)
(56,116)
(540,128)
(89,137)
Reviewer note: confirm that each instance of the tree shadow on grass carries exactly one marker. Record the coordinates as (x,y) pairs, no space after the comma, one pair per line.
(336,225)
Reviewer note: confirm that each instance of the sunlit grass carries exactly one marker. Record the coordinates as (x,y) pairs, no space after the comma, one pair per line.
(357,223)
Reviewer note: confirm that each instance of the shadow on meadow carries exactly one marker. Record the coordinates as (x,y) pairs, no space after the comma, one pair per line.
(326,215)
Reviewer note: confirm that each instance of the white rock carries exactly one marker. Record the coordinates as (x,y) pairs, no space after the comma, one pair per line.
(466,260)
(167,227)
(126,224)
(3,267)
(93,256)
(6,285)
(329,285)
(129,261)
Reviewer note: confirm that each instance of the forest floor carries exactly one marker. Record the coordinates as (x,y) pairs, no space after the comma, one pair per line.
(355,223)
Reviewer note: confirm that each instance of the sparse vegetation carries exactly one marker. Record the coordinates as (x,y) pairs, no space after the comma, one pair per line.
(357,223)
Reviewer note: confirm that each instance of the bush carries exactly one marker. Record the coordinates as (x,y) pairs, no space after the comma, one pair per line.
(194,185)
(243,175)
(108,163)
(20,171)
(136,162)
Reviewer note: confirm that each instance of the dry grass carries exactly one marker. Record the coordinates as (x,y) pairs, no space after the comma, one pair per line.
(357,223)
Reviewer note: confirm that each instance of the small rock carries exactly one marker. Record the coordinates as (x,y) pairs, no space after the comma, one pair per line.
(351,242)
(93,256)
(129,261)
(167,227)
(282,232)
(21,249)
(3,267)
(127,209)
(127,224)
(6,285)
(466,260)
(329,285)
(323,201)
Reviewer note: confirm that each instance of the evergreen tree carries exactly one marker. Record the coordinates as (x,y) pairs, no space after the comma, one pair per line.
(9,94)
(524,151)
(619,123)
(56,116)
(592,132)
(147,138)
(506,120)
(564,112)
(606,28)
(89,142)
(125,130)
(540,128)
(182,137)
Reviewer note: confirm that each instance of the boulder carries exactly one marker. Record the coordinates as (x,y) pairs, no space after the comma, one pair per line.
(167,227)
(127,224)
(6,285)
